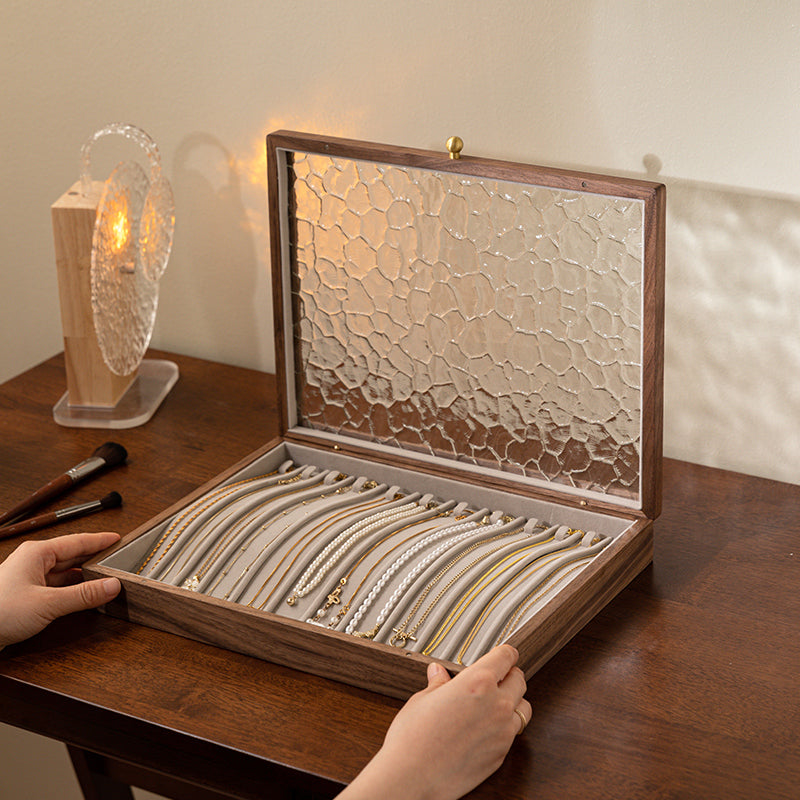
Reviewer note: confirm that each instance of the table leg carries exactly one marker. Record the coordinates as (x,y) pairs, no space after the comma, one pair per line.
(104,778)
(95,782)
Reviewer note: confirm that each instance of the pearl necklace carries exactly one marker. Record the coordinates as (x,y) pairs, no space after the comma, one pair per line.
(317,530)
(334,597)
(334,551)
(463,531)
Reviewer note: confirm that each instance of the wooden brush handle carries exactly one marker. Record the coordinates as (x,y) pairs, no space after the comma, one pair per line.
(27,525)
(38,498)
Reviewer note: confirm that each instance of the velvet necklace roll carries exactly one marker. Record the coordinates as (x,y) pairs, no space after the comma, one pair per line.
(290,531)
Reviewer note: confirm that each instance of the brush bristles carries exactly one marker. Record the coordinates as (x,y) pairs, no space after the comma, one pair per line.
(111,500)
(112,453)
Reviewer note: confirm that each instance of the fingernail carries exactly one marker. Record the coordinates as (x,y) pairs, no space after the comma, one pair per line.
(436,670)
(111,587)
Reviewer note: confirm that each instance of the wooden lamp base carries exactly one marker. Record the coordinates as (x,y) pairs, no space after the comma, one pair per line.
(95,397)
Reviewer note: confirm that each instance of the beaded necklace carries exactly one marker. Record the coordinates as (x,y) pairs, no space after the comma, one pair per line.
(335,596)
(461,532)
(335,550)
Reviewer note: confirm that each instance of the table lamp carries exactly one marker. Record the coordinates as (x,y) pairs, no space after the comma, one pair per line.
(112,242)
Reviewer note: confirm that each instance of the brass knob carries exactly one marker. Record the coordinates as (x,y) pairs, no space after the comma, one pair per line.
(455,145)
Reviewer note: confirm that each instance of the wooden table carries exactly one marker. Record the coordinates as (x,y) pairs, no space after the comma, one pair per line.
(685,686)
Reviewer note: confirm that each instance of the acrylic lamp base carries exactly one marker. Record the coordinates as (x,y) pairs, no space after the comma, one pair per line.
(135,407)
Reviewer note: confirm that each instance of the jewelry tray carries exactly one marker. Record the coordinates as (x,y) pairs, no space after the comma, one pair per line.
(485,335)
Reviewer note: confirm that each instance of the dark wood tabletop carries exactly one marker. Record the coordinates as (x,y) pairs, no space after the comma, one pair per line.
(684,686)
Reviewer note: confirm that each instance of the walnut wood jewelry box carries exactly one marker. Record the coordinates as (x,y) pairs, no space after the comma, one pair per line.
(474,344)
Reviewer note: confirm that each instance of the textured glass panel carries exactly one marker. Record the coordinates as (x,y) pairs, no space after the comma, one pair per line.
(480,320)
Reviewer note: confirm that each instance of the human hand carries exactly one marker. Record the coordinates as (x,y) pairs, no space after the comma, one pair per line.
(39,582)
(449,737)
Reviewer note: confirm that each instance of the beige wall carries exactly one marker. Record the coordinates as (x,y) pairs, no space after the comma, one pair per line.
(35,768)
(704,94)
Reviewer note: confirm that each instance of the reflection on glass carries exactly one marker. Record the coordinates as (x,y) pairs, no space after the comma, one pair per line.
(476,319)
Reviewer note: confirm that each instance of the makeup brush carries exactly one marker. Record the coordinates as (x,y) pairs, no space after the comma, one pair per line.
(106,456)
(111,500)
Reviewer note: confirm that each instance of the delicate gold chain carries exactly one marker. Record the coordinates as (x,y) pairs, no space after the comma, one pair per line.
(326,523)
(193,583)
(207,502)
(468,596)
(343,513)
(503,592)
(400,636)
(534,596)
(441,632)
(243,548)
(231,530)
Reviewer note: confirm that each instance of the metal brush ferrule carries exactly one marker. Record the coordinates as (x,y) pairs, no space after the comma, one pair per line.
(86,467)
(81,508)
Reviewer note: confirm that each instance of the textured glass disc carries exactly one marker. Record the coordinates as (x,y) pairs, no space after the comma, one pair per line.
(124,298)
(156,228)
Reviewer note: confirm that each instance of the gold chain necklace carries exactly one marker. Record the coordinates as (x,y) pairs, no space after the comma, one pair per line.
(320,527)
(468,596)
(257,532)
(348,538)
(400,635)
(549,583)
(503,592)
(457,533)
(194,582)
(334,598)
(206,501)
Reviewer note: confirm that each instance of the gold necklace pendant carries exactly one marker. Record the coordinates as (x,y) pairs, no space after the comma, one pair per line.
(366,634)
(400,637)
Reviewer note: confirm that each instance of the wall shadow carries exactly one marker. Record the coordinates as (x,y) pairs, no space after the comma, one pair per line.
(733,329)
(208,304)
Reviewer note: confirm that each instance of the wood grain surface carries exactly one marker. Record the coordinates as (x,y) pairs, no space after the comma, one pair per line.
(89,380)
(684,686)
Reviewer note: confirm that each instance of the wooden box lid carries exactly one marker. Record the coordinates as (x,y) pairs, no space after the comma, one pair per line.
(503,318)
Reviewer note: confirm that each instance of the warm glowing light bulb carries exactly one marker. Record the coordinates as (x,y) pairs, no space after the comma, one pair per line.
(120,229)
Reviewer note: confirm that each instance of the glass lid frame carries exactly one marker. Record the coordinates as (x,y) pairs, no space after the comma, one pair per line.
(501,317)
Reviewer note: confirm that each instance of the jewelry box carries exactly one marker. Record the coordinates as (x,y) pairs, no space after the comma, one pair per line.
(470,362)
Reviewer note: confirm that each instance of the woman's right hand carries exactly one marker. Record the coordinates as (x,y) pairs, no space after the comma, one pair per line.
(452,735)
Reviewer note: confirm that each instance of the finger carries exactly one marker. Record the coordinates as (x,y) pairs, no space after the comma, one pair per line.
(437,675)
(74,548)
(499,660)
(514,683)
(82,596)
